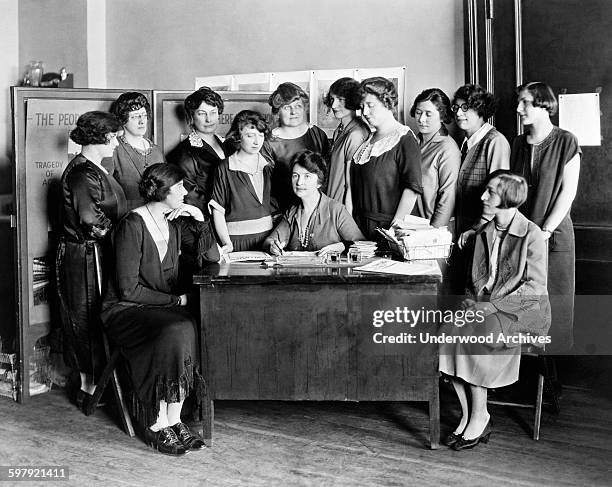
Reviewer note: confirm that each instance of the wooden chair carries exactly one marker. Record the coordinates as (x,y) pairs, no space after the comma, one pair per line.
(110,373)
(546,376)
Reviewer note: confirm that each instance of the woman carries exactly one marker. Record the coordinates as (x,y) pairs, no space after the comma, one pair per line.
(202,151)
(92,202)
(289,103)
(483,151)
(507,295)
(344,99)
(440,157)
(135,152)
(386,174)
(318,222)
(144,310)
(240,202)
(549,158)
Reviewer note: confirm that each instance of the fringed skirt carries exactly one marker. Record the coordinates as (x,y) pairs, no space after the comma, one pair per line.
(159,346)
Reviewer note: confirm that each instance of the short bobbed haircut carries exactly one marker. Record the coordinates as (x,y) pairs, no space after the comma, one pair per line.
(285,94)
(543,95)
(311,161)
(202,95)
(439,99)
(478,99)
(93,128)
(381,88)
(511,187)
(158,179)
(128,102)
(346,88)
(244,119)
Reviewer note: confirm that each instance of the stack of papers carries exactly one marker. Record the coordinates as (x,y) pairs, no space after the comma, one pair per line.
(299,258)
(250,256)
(387,266)
(365,248)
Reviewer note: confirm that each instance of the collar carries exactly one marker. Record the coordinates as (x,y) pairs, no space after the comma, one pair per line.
(196,141)
(518,226)
(235,164)
(478,135)
(434,139)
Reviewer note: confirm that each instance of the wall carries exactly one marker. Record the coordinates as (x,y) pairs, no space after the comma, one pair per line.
(9,60)
(55,32)
(192,38)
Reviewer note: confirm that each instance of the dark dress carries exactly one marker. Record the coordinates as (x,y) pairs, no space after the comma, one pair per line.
(92,202)
(199,161)
(380,174)
(127,166)
(545,180)
(249,219)
(156,336)
(281,151)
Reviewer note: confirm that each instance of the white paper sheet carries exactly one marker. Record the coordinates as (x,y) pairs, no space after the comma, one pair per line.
(580,114)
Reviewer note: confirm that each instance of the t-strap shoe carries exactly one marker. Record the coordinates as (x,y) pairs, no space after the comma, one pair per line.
(191,441)
(164,441)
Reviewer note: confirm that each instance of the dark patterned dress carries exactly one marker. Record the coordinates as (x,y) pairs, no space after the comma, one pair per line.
(92,202)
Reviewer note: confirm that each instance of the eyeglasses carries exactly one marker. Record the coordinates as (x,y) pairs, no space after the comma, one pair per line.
(139,116)
(464,108)
(298,107)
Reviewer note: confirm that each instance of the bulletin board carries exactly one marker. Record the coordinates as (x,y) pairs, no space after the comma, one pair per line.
(315,82)
(42,121)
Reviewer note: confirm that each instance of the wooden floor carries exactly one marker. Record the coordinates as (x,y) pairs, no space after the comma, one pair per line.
(318,444)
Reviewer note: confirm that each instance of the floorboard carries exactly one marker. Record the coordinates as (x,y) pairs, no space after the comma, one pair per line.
(318,444)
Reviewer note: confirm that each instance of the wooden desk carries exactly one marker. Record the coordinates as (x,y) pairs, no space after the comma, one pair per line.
(305,334)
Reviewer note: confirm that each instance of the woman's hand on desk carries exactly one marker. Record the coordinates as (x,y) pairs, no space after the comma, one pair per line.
(186,210)
(335,247)
(276,247)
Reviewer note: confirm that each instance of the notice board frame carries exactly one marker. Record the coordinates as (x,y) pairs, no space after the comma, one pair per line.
(27,332)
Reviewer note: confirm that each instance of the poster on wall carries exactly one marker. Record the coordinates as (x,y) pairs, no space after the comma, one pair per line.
(316,83)
(171,122)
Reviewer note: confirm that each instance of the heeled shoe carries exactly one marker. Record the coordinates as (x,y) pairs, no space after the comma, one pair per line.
(164,441)
(451,439)
(465,444)
(84,402)
(191,441)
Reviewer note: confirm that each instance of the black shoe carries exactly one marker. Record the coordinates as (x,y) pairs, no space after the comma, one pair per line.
(84,402)
(164,441)
(189,440)
(451,439)
(463,444)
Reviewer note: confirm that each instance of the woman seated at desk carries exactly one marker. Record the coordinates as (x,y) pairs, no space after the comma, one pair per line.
(240,203)
(507,288)
(144,311)
(317,222)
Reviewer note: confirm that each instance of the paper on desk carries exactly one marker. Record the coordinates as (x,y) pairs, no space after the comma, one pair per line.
(388,266)
(249,256)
